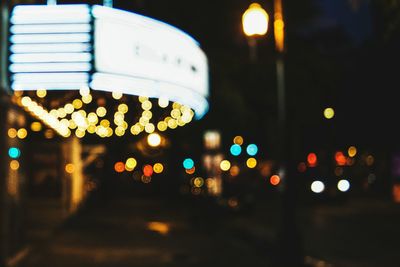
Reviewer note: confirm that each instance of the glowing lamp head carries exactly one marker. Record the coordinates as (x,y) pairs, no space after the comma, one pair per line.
(255,20)
(154,139)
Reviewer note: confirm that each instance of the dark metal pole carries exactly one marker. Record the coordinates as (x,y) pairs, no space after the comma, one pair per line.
(290,248)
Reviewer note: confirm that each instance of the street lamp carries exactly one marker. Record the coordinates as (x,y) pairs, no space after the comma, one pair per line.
(255,23)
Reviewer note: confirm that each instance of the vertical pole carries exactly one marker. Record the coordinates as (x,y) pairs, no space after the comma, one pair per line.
(252,48)
(290,243)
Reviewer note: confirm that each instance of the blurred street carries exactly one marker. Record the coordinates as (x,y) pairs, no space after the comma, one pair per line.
(154,231)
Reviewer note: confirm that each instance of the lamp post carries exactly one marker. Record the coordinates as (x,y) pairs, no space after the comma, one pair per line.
(255,24)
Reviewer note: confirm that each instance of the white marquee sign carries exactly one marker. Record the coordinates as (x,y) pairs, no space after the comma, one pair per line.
(65,47)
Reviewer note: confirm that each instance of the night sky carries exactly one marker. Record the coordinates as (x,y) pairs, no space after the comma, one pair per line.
(340,54)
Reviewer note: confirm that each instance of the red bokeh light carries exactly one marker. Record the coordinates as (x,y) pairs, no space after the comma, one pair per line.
(148,170)
(312,159)
(340,158)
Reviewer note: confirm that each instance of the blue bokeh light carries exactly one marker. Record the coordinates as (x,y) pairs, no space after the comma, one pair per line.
(236,150)
(252,149)
(14,153)
(188,163)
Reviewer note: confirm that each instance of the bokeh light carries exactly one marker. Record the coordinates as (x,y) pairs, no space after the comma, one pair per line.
(317,187)
(275,179)
(225,165)
(154,139)
(238,140)
(352,151)
(119,167)
(312,159)
(69,168)
(236,150)
(14,152)
(329,113)
(188,164)
(251,163)
(14,165)
(158,168)
(343,185)
(148,170)
(252,149)
(130,164)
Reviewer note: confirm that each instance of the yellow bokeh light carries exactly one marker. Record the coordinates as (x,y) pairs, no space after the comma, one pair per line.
(352,151)
(70,168)
(329,113)
(61,112)
(130,164)
(36,126)
(123,108)
(162,126)
(119,131)
(14,165)
(225,165)
(116,95)
(147,114)
(136,129)
(238,140)
(101,111)
(105,123)
(176,105)
(41,93)
(87,99)
(154,139)
(69,108)
(149,128)
(22,133)
(175,113)
(77,103)
(92,118)
(146,105)
(143,98)
(172,123)
(80,133)
(251,163)
(158,168)
(12,133)
(91,129)
(198,182)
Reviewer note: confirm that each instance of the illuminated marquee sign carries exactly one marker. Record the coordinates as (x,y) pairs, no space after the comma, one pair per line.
(66,47)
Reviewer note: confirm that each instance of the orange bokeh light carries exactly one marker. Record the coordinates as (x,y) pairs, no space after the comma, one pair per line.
(119,167)
(275,179)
